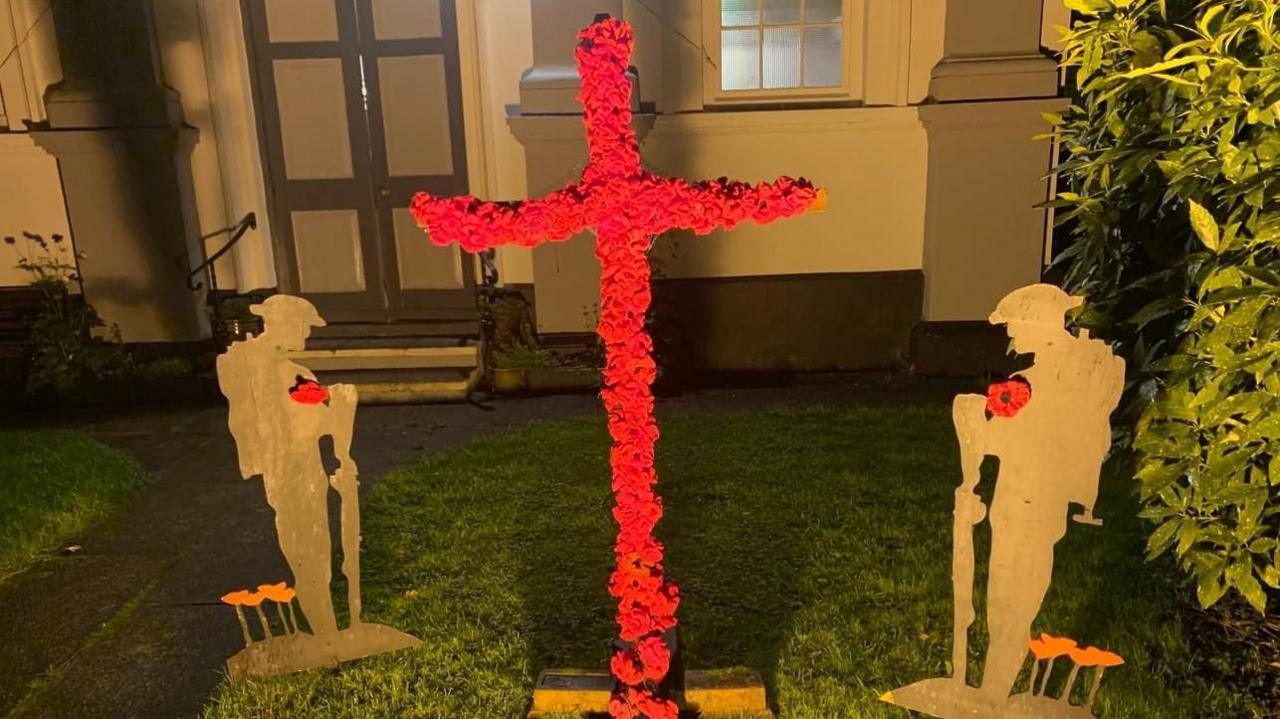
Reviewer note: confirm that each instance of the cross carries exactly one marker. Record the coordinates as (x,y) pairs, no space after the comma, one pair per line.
(626,206)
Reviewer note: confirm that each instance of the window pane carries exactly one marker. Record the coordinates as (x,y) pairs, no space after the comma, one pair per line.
(822,10)
(739,12)
(780,12)
(822,67)
(781,57)
(740,59)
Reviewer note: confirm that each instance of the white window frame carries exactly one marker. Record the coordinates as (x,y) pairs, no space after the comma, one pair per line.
(851,63)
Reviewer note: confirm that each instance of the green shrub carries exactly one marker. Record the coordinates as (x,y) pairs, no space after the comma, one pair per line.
(71,347)
(525,357)
(1172,152)
(166,367)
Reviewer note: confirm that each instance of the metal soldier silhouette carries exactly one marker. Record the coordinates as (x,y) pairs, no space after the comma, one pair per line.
(1050,458)
(278,415)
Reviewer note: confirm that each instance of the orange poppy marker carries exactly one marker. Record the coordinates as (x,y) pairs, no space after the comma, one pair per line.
(255,600)
(1094,657)
(238,599)
(1039,649)
(282,594)
(1048,647)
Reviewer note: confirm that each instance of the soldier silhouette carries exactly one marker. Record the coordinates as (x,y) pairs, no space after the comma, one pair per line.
(1050,457)
(278,414)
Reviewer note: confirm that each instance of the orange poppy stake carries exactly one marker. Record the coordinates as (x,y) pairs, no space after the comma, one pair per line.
(237,599)
(254,599)
(1089,657)
(1102,659)
(1048,647)
(281,594)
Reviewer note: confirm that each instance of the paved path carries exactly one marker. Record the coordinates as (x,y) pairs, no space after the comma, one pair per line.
(130,626)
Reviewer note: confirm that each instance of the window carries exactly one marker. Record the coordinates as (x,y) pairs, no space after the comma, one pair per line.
(781,45)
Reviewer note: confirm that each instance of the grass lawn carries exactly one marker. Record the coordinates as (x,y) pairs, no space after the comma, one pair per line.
(813,546)
(53,485)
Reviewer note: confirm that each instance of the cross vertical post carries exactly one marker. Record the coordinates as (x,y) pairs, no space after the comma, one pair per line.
(626,206)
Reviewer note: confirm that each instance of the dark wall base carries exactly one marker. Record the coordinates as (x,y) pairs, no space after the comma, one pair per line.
(824,322)
(961,349)
(810,323)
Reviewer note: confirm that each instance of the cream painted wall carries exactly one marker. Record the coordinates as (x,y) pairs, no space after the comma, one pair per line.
(505,44)
(182,57)
(31,197)
(1055,16)
(928,38)
(28,60)
(30,200)
(235,128)
(649,55)
(872,161)
(984,234)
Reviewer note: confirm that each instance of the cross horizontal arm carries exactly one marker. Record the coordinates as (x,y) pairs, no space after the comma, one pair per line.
(723,203)
(477,225)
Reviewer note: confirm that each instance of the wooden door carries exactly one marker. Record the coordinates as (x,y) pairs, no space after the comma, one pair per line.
(410,54)
(360,106)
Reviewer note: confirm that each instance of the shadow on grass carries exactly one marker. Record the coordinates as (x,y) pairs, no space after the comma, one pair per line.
(730,549)
(768,516)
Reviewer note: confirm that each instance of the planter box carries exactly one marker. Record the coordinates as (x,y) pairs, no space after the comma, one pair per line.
(562,379)
(509,381)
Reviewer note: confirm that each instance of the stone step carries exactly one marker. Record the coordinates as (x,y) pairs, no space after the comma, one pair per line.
(338,343)
(407,386)
(439,328)
(386,358)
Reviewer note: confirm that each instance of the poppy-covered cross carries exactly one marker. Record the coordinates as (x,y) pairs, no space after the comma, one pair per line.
(626,206)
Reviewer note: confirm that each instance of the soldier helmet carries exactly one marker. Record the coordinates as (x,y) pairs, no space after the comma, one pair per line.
(1035,304)
(287,309)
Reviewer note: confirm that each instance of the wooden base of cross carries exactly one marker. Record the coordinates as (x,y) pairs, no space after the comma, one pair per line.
(737,693)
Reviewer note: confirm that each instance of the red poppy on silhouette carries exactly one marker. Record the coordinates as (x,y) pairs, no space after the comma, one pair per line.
(309,391)
(1007,398)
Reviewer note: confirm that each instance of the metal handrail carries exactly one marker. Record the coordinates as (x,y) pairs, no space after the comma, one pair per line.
(488,269)
(246,223)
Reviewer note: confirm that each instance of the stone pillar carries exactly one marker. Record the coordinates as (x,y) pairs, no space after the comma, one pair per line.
(992,50)
(983,234)
(549,87)
(124,155)
(548,123)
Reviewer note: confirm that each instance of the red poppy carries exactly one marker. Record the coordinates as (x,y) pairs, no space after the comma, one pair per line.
(1006,399)
(309,391)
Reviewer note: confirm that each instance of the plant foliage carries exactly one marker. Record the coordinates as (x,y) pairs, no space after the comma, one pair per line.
(65,353)
(1171,158)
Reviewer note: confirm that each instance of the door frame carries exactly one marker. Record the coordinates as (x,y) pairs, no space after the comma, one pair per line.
(228,37)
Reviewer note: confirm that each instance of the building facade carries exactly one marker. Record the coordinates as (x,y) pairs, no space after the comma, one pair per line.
(140,134)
